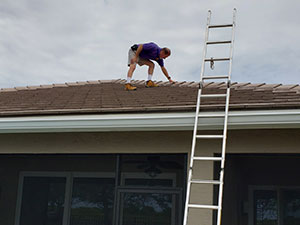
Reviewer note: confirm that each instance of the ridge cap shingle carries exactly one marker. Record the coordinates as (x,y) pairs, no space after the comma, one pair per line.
(66,84)
(191,84)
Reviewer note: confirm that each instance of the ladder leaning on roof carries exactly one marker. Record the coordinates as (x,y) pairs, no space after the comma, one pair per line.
(222,137)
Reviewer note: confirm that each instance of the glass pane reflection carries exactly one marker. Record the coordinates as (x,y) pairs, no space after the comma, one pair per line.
(291,207)
(265,207)
(149,209)
(43,201)
(92,201)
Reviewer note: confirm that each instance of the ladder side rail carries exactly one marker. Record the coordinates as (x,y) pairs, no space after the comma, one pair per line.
(205,47)
(196,125)
(221,186)
(232,43)
(221,179)
(228,94)
(191,159)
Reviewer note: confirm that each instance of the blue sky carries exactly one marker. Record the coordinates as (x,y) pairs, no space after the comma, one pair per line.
(58,41)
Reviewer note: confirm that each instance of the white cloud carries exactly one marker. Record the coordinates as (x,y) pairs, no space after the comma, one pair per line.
(69,40)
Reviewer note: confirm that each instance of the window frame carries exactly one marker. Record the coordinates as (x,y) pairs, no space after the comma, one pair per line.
(137,175)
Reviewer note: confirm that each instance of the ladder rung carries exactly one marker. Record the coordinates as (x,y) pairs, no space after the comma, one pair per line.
(217,42)
(211,115)
(213,96)
(209,136)
(219,26)
(217,59)
(215,77)
(203,206)
(208,158)
(205,181)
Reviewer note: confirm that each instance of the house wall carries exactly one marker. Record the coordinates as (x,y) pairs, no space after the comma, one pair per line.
(239,141)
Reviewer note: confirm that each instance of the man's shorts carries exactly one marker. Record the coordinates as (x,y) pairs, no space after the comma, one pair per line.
(131,55)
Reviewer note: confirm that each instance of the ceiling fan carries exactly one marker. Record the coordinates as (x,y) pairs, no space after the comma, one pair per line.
(152,165)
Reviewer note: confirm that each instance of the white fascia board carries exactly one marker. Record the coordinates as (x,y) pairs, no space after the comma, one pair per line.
(260,119)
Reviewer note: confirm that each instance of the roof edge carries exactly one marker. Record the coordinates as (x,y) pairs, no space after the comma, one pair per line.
(150,109)
(171,121)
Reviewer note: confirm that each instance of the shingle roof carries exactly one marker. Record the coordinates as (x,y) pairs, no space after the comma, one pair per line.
(110,97)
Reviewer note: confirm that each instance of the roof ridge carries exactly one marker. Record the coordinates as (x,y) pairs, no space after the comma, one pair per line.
(66,84)
(192,84)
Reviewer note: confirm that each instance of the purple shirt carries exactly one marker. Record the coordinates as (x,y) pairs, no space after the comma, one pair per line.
(151,51)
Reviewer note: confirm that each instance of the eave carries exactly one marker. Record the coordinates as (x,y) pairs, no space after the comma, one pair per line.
(169,121)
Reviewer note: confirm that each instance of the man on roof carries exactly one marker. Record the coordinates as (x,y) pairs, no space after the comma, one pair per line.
(143,54)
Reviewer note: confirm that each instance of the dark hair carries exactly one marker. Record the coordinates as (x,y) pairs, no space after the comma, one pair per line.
(167,51)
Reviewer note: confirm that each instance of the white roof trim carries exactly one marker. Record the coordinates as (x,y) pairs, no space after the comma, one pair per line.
(259,119)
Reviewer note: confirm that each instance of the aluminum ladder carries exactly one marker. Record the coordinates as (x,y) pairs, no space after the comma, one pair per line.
(223,137)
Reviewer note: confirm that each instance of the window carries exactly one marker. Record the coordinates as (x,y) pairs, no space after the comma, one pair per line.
(131,189)
(45,197)
(151,189)
(275,206)
(92,201)
(149,208)
(58,198)
(290,206)
(265,207)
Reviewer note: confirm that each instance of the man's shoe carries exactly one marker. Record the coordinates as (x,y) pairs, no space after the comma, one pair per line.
(129,87)
(150,83)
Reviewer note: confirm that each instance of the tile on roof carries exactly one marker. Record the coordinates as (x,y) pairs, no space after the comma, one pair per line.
(103,96)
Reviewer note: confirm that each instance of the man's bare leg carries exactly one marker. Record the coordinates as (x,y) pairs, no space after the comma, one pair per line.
(128,85)
(149,82)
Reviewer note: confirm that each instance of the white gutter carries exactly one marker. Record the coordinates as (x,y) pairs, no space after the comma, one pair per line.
(259,119)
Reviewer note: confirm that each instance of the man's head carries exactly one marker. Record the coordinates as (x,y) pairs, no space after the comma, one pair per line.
(164,53)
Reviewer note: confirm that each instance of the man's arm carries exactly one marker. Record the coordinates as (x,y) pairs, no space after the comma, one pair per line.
(137,53)
(165,72)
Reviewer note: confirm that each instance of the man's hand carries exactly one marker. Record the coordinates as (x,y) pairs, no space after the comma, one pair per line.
(171,81)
